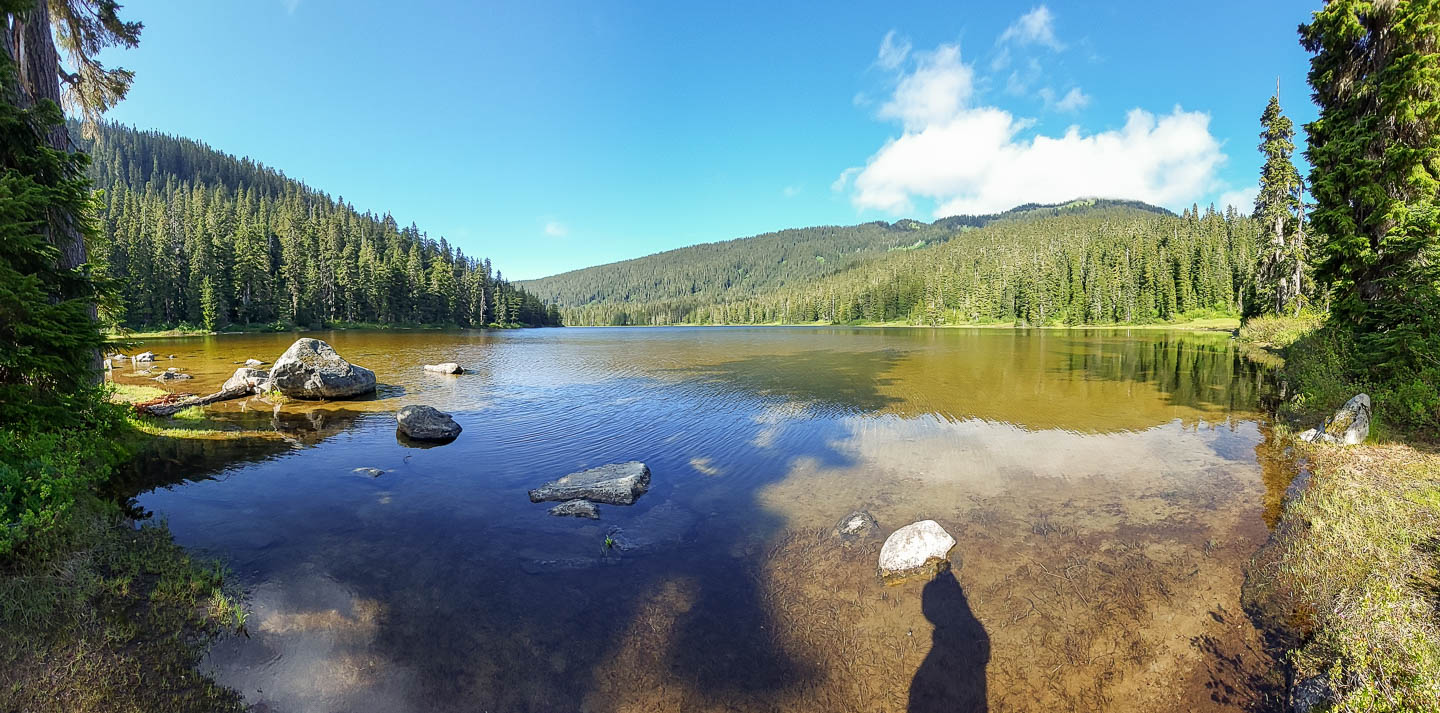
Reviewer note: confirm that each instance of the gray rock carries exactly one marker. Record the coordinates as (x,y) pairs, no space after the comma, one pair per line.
(310,369)
(1351,424)
(857,524)
(576,508)
(614,484)
(1310,694)
(254,363)
(424,423)
(145,356)
(921,548)
(172,375)
(372,472)
(246,378)
(448,367)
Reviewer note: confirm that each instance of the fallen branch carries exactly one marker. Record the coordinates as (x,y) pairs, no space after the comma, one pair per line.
(171,404)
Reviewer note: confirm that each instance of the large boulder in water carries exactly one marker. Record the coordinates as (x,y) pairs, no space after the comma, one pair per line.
(424,423)
(448,367)
(614,484)
(310,369)
(920,548)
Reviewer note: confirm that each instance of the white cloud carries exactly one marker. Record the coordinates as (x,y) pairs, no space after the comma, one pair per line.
(1074,100)
(556,229)
(980,159)
(893,51)
(1242,198)
(940,86)
(1036,27)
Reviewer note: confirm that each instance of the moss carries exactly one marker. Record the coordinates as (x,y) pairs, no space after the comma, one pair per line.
(102,617)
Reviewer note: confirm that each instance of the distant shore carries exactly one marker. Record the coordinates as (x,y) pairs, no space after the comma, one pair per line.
(1217,324)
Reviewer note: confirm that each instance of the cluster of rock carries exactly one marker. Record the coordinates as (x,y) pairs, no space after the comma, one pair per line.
(580,493)
(1349,426)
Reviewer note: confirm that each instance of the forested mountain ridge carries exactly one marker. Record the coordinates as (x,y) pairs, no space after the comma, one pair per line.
(195,236)
(1085,262)
(754,266)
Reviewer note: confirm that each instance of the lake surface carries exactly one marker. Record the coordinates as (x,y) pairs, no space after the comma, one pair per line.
(1105,489)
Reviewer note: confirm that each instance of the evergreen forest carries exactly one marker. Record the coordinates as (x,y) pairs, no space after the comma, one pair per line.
(194,237)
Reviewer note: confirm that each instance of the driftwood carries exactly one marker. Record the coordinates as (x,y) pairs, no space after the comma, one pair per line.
(171,404)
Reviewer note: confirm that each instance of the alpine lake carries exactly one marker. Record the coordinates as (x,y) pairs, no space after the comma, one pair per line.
(1106,489)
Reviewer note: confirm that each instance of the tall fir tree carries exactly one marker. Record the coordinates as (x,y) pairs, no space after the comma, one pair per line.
(1280,271)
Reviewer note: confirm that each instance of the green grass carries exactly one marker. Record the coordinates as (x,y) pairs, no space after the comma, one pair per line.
(102,617)
(190,423)
(1359,564)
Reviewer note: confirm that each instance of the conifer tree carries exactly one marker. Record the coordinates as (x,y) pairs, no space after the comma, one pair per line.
(1374,152)
(1279,273)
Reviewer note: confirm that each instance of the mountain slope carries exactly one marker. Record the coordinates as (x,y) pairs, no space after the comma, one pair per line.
(195,236)
(758,265)
(1082,262)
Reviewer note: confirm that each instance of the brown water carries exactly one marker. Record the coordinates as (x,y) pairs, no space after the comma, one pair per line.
(1103,486)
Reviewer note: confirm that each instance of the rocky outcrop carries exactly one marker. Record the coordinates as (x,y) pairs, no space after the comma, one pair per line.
(310,369)
(247,379)
(576,508)
(857,524)
(1349,426)
(614,484)
(448,367)
(921,548)
(424,423)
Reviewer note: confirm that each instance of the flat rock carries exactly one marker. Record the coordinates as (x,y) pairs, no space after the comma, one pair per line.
(254,363)
(448,367)
(424,423)
(857,524)
(920,548)
(576,508)
(372,472)
(172,375)
(310,369)
(145,356)
(614,484)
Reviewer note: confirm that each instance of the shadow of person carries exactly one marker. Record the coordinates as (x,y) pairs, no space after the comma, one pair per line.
(951,679)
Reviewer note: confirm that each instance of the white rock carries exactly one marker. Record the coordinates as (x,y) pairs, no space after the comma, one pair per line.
(918,548)
(448,367)
(1351,424)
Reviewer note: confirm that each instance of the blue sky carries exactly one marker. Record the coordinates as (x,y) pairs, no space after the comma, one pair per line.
(550,136)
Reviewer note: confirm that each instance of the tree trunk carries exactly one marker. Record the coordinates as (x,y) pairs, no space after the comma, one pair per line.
(31,46)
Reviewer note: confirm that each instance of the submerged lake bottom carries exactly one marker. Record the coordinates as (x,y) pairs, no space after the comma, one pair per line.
(1105,488)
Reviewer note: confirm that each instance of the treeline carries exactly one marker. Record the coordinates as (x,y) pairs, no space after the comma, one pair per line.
(197,237)
(1101,264)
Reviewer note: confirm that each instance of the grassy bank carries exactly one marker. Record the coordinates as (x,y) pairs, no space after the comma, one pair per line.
(190,423)
(98,615)
(1209,324)
(1354,564)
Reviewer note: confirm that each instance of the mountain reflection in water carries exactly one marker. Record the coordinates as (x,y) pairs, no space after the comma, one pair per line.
(1103,488)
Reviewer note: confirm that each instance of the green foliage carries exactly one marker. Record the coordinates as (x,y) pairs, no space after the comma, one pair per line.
(47,338)
(1099,262)
(45,470)
(1374,149)
(197,236)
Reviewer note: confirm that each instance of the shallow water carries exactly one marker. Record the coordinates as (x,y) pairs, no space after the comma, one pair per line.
(1103,486)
